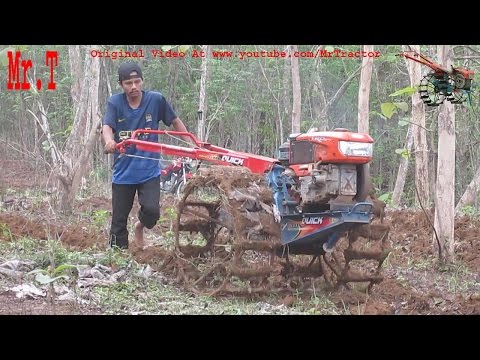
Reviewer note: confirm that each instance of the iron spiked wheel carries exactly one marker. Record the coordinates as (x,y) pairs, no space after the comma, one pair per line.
(431,90)
(358,257)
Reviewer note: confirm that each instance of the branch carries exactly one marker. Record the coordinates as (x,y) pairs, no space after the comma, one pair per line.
(268,82)
(341,90)
(56,156)
(420,126)
(219,106)
(214,115)
(466,57)
(467,47)
(25,153)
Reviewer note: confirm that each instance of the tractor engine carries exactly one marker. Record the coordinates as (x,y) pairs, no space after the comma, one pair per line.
(327,182)
(326,167)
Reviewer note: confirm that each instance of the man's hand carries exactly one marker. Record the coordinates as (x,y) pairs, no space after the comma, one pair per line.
(110,146)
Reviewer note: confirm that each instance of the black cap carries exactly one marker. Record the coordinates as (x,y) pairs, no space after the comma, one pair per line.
(126,69)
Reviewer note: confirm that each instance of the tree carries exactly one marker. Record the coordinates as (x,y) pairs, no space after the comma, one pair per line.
(402,169)
(419,133)
(363,114)
(202,99)
(296,90)
(470,194)
(70,165)
(364,91)
(319,103)
(445,185)
(416,134)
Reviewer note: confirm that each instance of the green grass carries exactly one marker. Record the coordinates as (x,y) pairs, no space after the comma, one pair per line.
(136,294)
(459,279)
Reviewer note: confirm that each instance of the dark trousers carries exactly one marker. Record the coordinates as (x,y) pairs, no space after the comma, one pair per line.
(122,203)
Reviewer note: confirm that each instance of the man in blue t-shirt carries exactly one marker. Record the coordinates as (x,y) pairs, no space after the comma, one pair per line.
(131,110)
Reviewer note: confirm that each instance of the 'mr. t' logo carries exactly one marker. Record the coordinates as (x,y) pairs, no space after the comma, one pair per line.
(13,82)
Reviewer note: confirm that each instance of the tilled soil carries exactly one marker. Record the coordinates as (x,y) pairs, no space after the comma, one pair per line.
(414,282)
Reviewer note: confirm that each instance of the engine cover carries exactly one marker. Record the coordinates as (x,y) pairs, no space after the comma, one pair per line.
(327,182)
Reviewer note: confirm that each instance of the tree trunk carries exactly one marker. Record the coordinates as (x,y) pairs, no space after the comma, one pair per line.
(433,156)
(364,91)
(419,133)
(445,189)
(172,82)
(297,92)
(71,189)
(202,100)
(319,100)
(402,169)
(470,194)
(75,57)
(82,111)
(287,74)
(84,135)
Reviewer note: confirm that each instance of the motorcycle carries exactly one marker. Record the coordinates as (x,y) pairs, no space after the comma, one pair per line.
(175,174)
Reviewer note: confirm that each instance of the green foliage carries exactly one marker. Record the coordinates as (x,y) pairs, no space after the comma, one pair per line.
(169,215)
(469,210)
(46,146)
(115,258)
(391,58)
(100,217)
(184,48)
(403,152)
(409,90)
(65,133)
(388,109)
(402,106)
(329,48)
(4,57)
(5,232)
(376,113)
(98,175)
(386,198)
(44,277)
(24,245)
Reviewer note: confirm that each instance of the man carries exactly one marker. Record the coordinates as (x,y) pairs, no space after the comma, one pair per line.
(128,111)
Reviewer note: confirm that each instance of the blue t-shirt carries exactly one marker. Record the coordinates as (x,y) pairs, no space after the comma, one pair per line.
(124,120)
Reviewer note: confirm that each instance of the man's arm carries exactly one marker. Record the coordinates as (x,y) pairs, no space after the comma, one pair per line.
(107,133)
(109,121)
(178,125)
